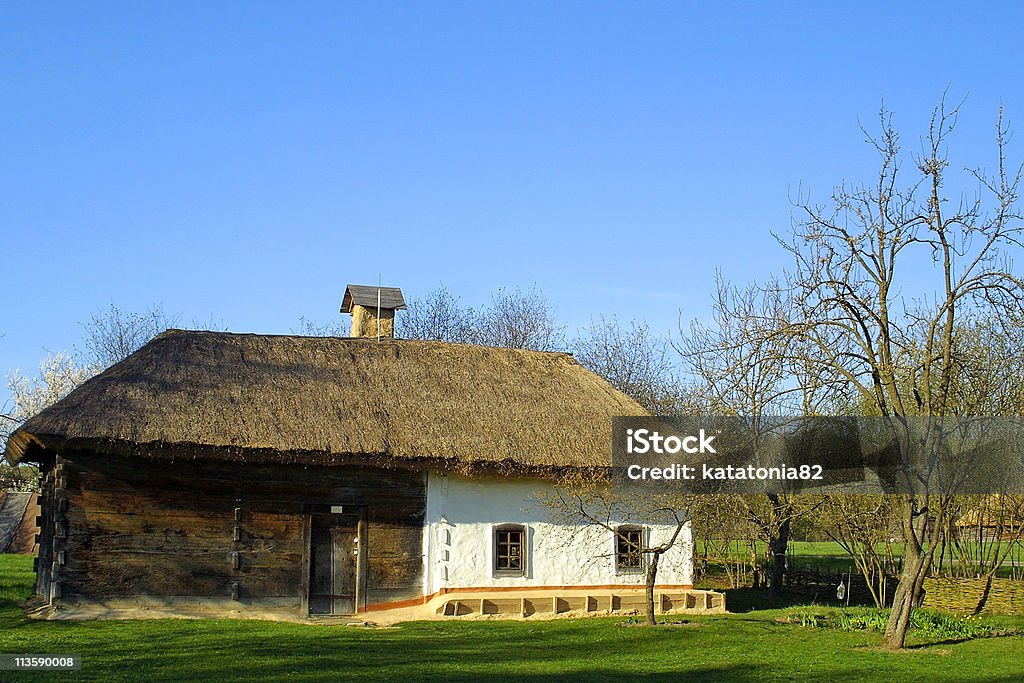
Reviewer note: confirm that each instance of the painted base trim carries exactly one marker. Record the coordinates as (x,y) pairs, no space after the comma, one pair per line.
(378,607)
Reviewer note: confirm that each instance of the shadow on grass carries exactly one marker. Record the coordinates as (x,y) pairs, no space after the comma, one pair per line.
(743,600)
(221,650)
(733,649)
(742,649)
(962,639)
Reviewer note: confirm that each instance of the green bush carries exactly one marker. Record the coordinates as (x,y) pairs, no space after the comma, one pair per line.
(943,625)
(808,618)
(862,620)
(923,622)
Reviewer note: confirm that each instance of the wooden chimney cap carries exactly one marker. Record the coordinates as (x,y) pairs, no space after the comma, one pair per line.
(366,296)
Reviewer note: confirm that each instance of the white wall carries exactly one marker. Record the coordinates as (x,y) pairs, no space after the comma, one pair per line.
(461,514)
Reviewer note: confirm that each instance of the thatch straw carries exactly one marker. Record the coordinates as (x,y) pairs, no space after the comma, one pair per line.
(316,399)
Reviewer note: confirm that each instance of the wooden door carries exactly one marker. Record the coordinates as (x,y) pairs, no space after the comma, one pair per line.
(335,565)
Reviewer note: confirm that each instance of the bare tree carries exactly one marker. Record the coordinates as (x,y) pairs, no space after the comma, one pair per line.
(58,375)
(633,361)
(110,336)
(726,536)
(520,320)
(884,275)
(439,315)
(113,334)
(514,319)
(864,526)
(990,353)
(583,499)
(311,328)
(984,530)
(748,370)
(637,364)
(19,477)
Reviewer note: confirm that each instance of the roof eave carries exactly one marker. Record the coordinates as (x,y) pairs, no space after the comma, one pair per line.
(31,444)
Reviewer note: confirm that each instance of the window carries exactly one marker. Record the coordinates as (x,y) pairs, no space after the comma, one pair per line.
(628,542)
(510,550)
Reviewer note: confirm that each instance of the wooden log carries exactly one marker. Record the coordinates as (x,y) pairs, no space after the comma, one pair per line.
(167,529)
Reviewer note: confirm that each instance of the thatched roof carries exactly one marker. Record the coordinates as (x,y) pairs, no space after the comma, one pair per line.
(328,400)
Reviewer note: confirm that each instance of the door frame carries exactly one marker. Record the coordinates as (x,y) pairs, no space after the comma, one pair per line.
(307,552)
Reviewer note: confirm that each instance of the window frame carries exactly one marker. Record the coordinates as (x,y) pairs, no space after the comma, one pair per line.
(617,553)
(524,553)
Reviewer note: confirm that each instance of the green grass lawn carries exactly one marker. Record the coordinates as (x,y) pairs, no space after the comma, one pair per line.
(751,646)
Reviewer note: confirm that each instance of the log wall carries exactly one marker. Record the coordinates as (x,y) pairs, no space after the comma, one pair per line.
(208,530)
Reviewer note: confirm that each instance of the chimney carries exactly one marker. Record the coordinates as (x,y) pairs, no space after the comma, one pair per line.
(373,309)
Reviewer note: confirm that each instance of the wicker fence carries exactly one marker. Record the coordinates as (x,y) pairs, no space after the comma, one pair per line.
(821,586)
(1005,596)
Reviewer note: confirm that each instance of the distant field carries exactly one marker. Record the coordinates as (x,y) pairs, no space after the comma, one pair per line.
(820,555)
(819,548)
(751,646)
(830,556)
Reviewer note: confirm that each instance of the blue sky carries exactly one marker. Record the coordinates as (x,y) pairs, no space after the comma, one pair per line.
(243,161)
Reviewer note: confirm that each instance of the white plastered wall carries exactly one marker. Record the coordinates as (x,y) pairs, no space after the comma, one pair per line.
(458,539)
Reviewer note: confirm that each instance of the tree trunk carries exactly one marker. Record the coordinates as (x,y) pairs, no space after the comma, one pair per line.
(652,574)
(907,597)
(869,572)
(777,547)
(984,594)
(922,527)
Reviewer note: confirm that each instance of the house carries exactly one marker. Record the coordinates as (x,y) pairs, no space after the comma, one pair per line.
(288,476)
(991,517)
(18,513)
